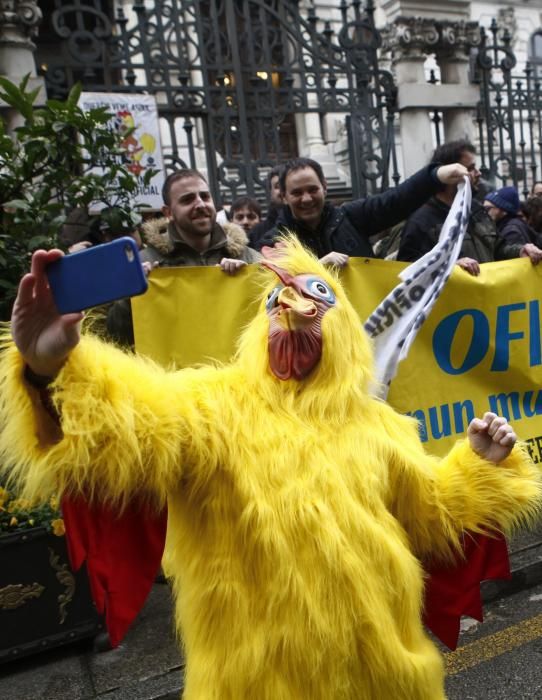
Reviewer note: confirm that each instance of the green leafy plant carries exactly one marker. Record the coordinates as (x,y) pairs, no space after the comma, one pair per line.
(48,168)
(18,514)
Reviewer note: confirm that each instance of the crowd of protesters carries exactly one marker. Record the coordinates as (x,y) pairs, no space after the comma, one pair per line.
(404,222)
(495,230)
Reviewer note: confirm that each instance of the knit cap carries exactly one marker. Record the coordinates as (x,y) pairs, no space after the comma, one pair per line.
(506,198)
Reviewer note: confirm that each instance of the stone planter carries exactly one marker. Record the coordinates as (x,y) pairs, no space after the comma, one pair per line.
(43,604)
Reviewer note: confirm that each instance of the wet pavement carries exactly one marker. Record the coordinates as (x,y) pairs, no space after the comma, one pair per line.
(148,664)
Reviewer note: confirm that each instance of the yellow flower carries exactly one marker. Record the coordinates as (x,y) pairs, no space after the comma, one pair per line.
(53,502)
(31,521)
(58,527)
(13,521)
(19,504)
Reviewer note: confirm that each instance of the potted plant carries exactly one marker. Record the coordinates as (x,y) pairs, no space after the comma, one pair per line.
(42,602)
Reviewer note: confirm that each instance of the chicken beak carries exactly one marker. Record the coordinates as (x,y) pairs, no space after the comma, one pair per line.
(296,311)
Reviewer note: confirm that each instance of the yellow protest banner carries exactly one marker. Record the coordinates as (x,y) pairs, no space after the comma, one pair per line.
(191,315)
(479,350)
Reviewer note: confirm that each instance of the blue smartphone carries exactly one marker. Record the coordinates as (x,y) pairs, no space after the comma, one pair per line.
(97,276)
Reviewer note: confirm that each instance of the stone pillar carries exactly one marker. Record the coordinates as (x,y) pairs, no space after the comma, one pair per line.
(408,39)
(457,38)
(317,149)
(411,40)
(19,21)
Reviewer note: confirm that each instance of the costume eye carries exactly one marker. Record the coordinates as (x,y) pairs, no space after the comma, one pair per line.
(320,290)
(272,297)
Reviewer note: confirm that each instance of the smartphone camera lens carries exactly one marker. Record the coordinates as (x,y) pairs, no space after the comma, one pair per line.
(129,253)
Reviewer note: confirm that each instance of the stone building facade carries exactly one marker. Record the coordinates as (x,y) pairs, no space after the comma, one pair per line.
(432,50)
(429,48)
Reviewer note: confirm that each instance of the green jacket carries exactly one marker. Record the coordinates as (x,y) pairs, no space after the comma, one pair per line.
(165,246)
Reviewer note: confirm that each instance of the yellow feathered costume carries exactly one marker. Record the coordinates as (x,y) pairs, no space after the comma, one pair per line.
(298,510)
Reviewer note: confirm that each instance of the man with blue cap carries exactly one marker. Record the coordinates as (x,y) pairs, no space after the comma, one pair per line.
(502,206)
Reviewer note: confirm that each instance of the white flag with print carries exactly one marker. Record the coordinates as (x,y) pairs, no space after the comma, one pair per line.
(395,322)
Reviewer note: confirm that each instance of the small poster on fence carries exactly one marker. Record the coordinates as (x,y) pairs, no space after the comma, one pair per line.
(137,115)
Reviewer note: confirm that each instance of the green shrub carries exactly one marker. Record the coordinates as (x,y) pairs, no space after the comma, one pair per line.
(46,171)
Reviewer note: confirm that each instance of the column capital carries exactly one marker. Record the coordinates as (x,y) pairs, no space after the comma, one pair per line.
(410,38)
(457,39)
(415,37)
(19,22)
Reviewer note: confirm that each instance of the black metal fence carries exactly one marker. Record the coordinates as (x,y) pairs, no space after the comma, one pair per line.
(239,83)
(508,116)
(242,84)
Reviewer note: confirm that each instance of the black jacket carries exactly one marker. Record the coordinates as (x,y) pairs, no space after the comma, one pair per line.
(515,230)
(258,231)
(481,242)
(347,228)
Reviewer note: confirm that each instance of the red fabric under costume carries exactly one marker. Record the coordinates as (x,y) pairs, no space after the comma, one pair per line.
(453,591)
(123,555)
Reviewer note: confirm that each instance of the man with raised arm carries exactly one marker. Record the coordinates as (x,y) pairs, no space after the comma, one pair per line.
(335,233)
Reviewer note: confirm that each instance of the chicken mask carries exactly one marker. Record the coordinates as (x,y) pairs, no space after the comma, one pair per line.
(295,308)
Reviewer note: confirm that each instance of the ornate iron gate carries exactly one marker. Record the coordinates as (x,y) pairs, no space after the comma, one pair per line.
(239,83)
(509,115)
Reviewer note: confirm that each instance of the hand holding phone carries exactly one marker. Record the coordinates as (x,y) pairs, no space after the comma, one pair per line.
(98,275)
(43,336)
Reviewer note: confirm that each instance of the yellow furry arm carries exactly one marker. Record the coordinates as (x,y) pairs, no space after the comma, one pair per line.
(436,501)
(480,495)
(127,426)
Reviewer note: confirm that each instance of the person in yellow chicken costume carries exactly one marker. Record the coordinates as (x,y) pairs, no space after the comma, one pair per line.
(299,506)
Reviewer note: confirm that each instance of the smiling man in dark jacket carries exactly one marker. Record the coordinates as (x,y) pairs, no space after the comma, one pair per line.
(334,233)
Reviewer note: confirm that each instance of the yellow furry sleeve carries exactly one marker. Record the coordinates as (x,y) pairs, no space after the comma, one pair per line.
(127,426)
(436,501)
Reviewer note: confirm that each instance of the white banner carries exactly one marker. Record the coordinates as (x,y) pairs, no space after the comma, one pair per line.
(395,322)
(142,150)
